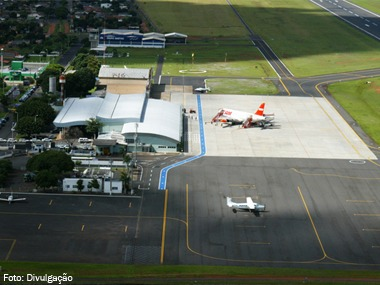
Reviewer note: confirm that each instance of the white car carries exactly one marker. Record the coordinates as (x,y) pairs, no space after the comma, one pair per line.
(83,140)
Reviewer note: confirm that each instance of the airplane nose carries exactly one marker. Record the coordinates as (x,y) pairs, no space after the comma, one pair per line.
(260,207)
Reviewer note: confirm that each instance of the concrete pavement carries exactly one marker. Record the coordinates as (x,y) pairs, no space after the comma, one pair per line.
(304,128)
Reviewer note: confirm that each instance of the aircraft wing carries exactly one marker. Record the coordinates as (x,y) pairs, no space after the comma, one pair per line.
(251,205)
(18,199)
(4,199)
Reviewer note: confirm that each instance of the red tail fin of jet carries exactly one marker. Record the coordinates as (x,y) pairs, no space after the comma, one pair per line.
(260,111)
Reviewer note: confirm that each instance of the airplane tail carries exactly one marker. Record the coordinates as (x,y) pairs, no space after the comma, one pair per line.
(229,202)
(260,110)
(217,116)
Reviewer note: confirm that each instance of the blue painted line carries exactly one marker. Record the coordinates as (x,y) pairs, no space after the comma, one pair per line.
(164,171)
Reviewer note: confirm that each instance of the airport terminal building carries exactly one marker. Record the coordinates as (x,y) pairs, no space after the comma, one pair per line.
(132,121)
(133,38)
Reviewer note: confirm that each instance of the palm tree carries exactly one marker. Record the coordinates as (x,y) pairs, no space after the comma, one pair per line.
(125,178)
(93,126)
(93,184)
(126,175)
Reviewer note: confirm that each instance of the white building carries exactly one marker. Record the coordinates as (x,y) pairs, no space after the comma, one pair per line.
(129,119)
(70,185)
(148,124)
(134,121)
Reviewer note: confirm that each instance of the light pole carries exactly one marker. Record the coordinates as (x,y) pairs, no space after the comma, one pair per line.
(135,162)
(2,62)
(14,124)
(111,177)
(62,81)
(2,59)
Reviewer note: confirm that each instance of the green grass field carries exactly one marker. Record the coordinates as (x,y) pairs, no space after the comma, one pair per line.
(372,5)
(309,40)
(127,274)
(196,18)
(361,99)
(212,60)
(241,86)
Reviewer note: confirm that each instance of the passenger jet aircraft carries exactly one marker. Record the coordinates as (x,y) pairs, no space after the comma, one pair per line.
(11,199)
(233,117)
(249,206)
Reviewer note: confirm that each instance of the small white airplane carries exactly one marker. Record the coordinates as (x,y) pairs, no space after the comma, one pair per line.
(249,206)
(202,89)
(11,199)
(234,117)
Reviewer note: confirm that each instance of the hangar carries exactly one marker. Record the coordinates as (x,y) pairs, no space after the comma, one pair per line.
(176,38)
(138,122)
(132,121)
(125,80)
(132,38)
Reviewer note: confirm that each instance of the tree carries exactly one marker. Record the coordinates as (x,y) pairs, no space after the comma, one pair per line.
(127,159)
(51,70)
(94,183)
(5,169)
(5,101)
(61,12)
(89,186)
(79,83)
(89,61)
(80,185)
(39,107)
(53,160)
(46,178)
(125,179)
(29,125)
(93,126)
(125,176)
(72,134)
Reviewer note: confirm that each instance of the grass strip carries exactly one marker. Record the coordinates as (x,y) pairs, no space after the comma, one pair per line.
(361,99)
(160,274)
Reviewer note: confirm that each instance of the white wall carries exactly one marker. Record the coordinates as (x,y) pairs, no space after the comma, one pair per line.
(117,187)
(70,185)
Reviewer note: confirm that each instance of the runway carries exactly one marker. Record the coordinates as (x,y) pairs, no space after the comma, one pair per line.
(356,16)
